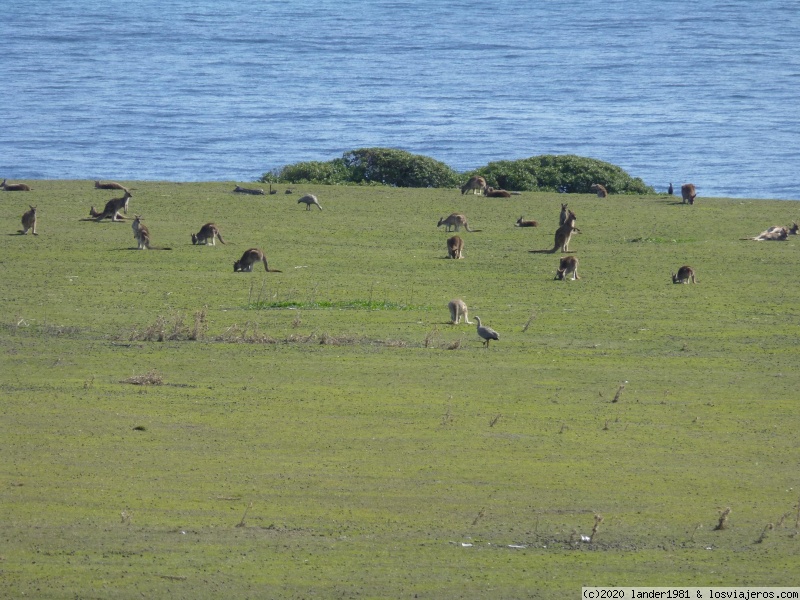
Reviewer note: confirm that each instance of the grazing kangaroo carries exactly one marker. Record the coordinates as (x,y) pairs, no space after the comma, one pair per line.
(207,235)
(476,182)
(688,193)
(563,216)
(308,200)
(112,208)
(776,233)
(600,190)
(567,265)
(458,310)
(493,193)
(523,223)
(249,258)
(109,185)
(684,275)
(29,221)
(455,220)
(15,187)
(253,191)
(455,247)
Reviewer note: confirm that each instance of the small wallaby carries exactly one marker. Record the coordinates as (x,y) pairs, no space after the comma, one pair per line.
(207,235)
(455,247)
(567,265)
(252,191)
(684,275)
(15,187)
(458,310)
(523,223)
(249,258)
(112,208)
(308,200)
(455,220)
(29,221)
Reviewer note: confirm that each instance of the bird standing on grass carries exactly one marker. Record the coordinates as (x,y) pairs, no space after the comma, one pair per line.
(487,333)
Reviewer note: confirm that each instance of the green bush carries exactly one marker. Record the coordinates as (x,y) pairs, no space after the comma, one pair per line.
(564,173)
(398,168)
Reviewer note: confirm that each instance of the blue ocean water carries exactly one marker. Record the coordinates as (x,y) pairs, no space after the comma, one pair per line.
(671,90)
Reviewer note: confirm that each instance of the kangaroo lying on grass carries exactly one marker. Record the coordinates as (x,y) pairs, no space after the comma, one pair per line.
(251,257)
(15,187)
(776,233)
(253,191)
(109,185)
(523,223)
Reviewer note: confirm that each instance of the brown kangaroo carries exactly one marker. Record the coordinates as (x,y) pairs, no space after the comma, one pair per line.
(476,182)
(458,309)
(29,221)
(455,247)
(567,265)
(523,223)
(249,258)
(493,193)
(455,220)
(776,233)
(253,191)
(685,274)
(688,193)
(207,235)
(109,185)
(140,233)
(600,190)
(112,208)
(15,187)
(563,216)
(564,234)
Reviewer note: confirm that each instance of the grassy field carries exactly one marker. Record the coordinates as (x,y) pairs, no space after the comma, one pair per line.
(171,428)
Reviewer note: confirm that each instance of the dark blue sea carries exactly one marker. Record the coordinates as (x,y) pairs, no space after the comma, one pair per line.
(670,90)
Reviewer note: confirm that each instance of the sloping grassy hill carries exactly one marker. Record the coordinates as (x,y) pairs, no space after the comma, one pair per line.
(324,432)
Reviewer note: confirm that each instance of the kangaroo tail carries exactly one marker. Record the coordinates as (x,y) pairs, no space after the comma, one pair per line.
(219,235)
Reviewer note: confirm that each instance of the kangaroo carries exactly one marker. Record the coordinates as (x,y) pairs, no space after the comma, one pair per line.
(564,234)
(685,274)
(29,221)
(15,187)
(207,232)
(458,309)
(776,233)
(455,220)
(476,182)
(455,247)
(109,185)
(490,192)
(253,191)
(567,265)
(112,208)
(794,228)
(140,233)
(249,258)
(600,190)
(563,216)
(688,193)
(308,200)
(523,223)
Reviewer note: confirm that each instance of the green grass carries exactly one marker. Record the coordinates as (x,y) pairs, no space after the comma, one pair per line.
(358,438)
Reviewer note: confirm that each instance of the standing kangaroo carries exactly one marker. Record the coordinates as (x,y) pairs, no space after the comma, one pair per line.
(458,309)
(207,235)
(15,187)
(308,200)
(140,233)
(685,274)
(564,234)
(29,221)
(249,258)
(567,265)
(476,182)
(600,190)
(456,220)
(688,193)
(563,216)
(455,247)
(112,208)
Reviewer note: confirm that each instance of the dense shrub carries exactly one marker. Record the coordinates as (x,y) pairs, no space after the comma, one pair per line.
(388,166)
(563,173)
